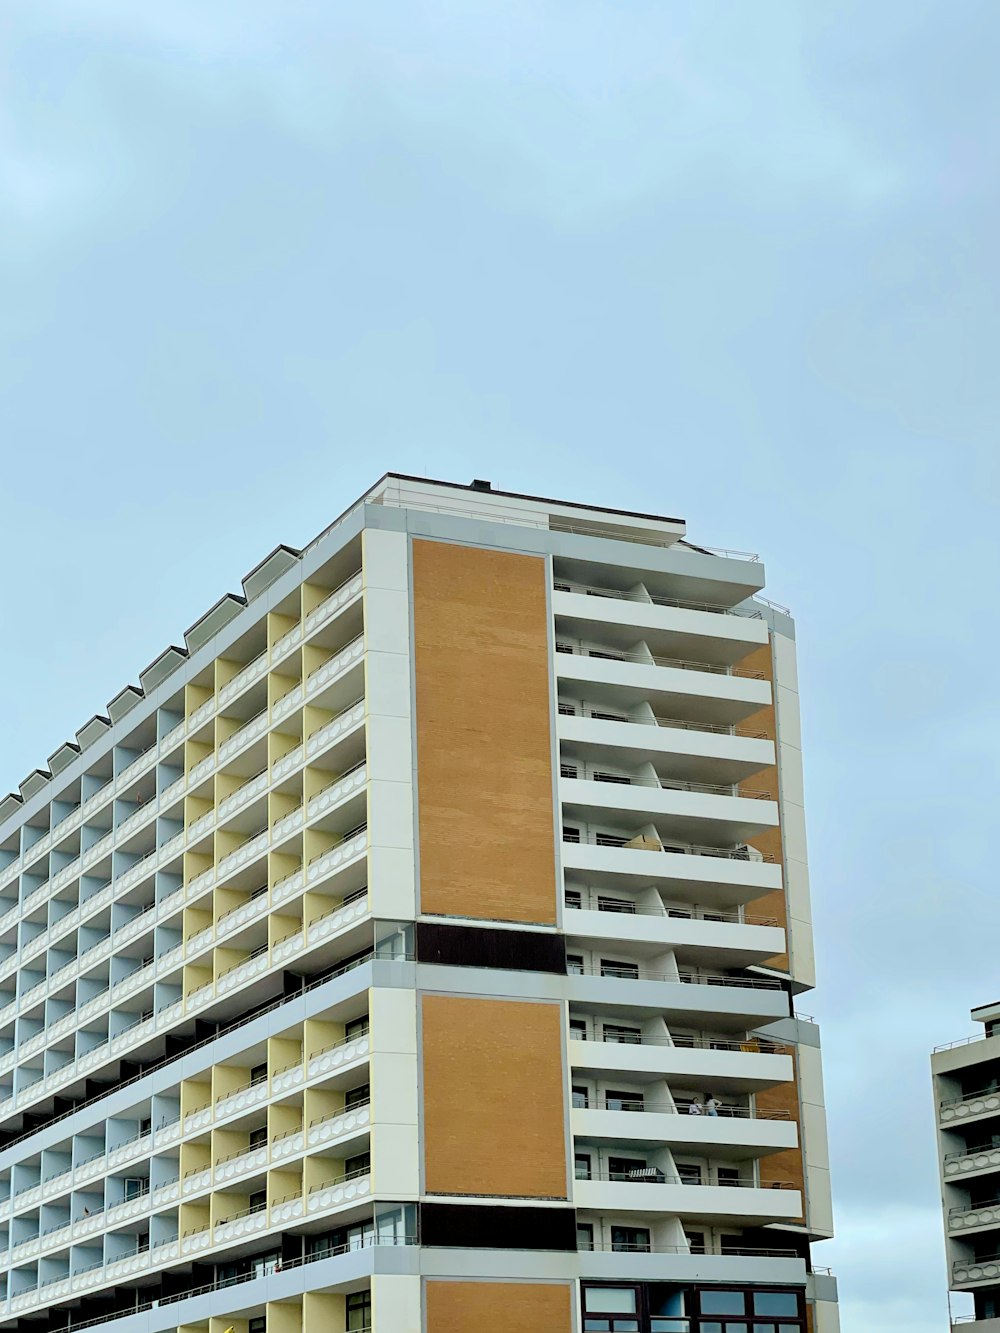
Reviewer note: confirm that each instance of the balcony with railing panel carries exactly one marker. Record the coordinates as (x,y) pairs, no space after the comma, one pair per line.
(635,857)
(733,1066)
(704,936)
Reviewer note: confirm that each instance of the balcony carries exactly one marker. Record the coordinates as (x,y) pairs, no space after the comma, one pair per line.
(704,938)
(694,691)
(749,1065)
(724,876)
(978,1217)
(974,1162)
(688,811)
(696,751)
(742,1001)
(686,628)
(747,1203)
(973,1106)
(738,1135)
(976,1272)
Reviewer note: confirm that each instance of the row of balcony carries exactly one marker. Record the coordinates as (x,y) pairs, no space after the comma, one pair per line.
(158,858)
(340,790)
(279,955)
(337,601)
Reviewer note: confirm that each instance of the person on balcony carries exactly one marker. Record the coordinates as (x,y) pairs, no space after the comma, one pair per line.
(711,1105)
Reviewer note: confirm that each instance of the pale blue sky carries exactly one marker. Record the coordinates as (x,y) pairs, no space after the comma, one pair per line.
(734,261)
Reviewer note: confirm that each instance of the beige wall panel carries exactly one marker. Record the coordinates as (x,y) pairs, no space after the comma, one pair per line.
(494,1114)
(786,1166)
(498,1307)
(484,753)
(770,842)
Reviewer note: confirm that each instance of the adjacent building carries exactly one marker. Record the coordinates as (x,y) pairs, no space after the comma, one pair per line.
(966,1078)
(418,947)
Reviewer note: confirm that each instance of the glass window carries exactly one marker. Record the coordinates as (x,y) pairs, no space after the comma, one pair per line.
(630,1240)
(723,1302)
(578,1029)
(612,1300)
(776,1302)
(580,1098)
(584,1236)
(574,964)
(258,1324)
(258,1074)
(357,1096)
(581,1164)
(359,1310)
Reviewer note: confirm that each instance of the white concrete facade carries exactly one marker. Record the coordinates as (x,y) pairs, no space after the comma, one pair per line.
(211,1100)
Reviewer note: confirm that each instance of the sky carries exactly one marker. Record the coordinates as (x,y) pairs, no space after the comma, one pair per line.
(732,261)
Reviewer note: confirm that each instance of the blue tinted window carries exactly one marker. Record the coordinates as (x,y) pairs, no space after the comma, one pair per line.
(775,1302)
(722,1302)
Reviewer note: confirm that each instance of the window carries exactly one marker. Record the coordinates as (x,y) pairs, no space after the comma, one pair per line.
(581,1098)
(357,1096)
(728,1175)
(612,1300)
(574,964)
(356,1028)
(573,898)
(262,1264)
(613,967)
(135,1187)
(626,1036)
(612,777)
(581,1163)
(723,1302)
(584,1236)
(258,1074)
(359,1165)
(258,1137)
(623,1101)
(607,717)
(630,1240)
(690,1174)
(570,834)
(258,1324)
(605,904)
(258,1201)
(359,1310)
(625,1168)
(142,1242)
(776,1302)
(568,771)
(696,1241)
(145,1126)
(611,840)
(578,1029)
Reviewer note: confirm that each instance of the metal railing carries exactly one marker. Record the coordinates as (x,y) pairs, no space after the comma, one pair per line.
(639,1107)
(968,1097)
(649,659)
(222,1284)
(568,708)
(654,1176)
(599,900)
(579,773)
(747,1046)
(638,842)
(611,1247)
(630,972)
(656,599)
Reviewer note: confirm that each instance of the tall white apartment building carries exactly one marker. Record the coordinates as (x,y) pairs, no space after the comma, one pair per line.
(418,946)
(966,1077)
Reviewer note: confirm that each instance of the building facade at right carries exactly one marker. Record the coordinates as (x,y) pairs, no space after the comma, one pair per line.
(966,1078)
